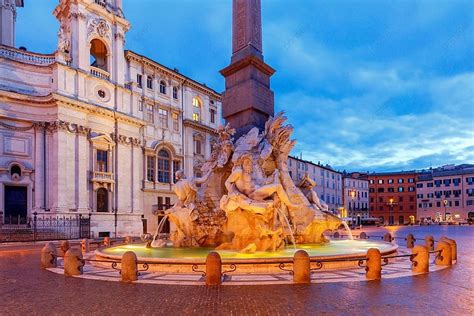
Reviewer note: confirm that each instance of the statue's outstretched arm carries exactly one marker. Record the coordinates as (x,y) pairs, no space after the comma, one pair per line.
(204,178)
(229,183)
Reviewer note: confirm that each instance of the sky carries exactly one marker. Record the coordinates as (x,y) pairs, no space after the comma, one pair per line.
(368,85)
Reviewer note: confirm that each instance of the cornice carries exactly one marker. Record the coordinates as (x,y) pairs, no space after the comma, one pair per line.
(199,126)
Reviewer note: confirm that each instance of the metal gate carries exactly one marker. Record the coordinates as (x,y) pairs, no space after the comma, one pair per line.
(45,227)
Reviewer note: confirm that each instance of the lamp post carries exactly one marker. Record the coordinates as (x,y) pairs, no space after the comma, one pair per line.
(391,203)
(352,194)
(114,210)
(445,203)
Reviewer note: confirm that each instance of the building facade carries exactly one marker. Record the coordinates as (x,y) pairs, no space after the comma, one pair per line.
(94,128)
(446,194)
(392,197)
(355,196)
(328,181)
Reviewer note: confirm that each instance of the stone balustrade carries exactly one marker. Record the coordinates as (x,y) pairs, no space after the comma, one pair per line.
(27,57)
(99,73)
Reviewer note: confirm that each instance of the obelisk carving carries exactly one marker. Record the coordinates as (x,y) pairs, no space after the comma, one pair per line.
(247,100)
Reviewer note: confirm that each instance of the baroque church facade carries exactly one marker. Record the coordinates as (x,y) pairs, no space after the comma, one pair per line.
(94,128)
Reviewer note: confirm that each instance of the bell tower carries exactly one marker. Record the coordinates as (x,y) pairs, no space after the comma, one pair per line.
(7,21)
(247,100)
(91,37)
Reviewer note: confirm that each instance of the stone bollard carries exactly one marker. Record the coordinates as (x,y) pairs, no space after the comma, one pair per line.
(374,264)
(454,247)
(301,267)
(410,241)
(106,242)
(129,270)
(85,246)
(421,259)
(363,235)
(336,235)
(73,262)
(48,256)
(443,258)
(387,237)
(128,239)
(213,269)
(64,247)
(429,242)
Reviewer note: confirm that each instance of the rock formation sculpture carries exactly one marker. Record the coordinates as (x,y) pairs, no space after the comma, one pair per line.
(247,200)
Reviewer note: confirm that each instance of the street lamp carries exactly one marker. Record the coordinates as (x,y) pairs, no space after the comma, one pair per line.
(391,203)
(352,194)
(445,203)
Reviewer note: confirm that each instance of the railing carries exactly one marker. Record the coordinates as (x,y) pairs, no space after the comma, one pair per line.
(26,57)
(102,176)
(102,3)
(100,73)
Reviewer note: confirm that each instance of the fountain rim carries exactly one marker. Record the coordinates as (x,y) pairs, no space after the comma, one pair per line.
(355,256)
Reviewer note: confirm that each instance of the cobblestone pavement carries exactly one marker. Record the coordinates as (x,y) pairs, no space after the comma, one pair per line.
(26,289)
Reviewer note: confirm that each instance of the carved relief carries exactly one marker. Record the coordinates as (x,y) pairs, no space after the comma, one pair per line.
(98,26)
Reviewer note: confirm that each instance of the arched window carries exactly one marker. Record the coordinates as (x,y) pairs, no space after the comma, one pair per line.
(196,109)
(98,54)
(164,166)
(15,169)
(162,87)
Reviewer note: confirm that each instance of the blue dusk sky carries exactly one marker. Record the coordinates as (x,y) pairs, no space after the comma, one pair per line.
(367,85)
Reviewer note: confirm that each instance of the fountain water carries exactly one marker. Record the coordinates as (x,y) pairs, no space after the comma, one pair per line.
(349,232)
(157,242)
(282,217)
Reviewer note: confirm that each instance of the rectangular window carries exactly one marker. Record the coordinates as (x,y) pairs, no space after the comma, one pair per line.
(196,117)
(411,189)
(400,180)
(438,204)
(411,180)
(380,190)
(213,115)
(419,185)
(139,80)
(437,183)
(430,184)
(175,93)
(149,113)
(391,190)
(380,181)
(419,196)
(140,105)
(371,181)
(412,199)
(163,170)
(102,159)
(197,146)
(447,182)
(163,115)
(150,168)
(149,82)
(175,117)
(380,200)
(400,189)
(470,180)
(456,203)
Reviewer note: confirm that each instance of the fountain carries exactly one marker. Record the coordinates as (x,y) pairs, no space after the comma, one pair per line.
(246,206)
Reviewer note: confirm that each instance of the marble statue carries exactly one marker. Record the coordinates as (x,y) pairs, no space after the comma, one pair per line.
(306,185)
(247,200)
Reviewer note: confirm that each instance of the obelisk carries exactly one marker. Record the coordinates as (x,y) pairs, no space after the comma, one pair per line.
(247,100)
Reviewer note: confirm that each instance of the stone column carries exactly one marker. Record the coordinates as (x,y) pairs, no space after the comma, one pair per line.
(374,264)
(213,269)
(301,267)
(48,256)
(429,242)
(410,239)
(444,257)
(73,262)
(421,259)
(129,270)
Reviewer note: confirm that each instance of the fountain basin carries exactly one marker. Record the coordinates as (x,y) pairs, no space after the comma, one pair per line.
(180,260)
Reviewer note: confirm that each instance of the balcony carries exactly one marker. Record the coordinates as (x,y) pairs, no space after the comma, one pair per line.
(26,57)
(99,176)
(99,73)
